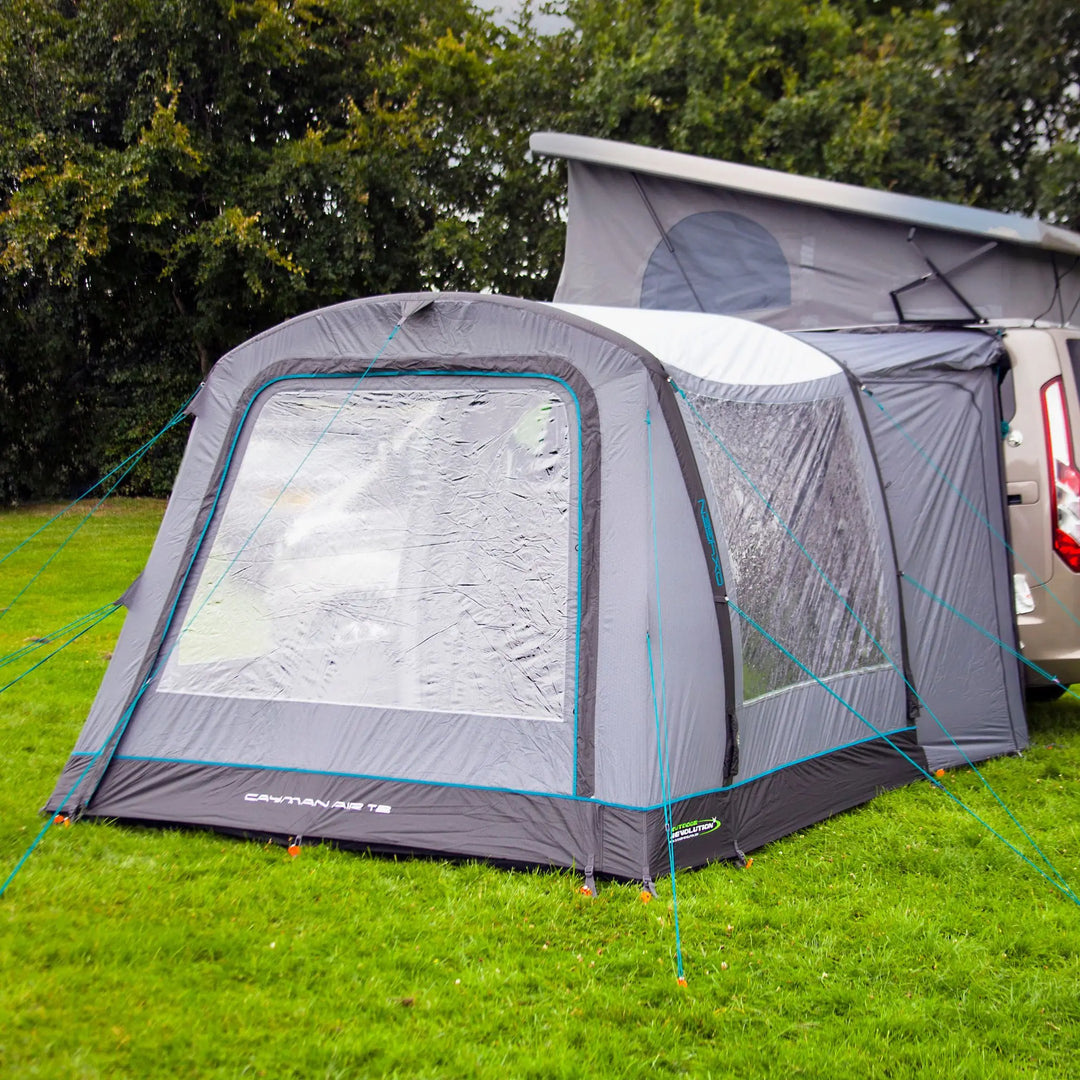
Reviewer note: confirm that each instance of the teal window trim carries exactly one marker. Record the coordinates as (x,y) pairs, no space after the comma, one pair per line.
(396,373)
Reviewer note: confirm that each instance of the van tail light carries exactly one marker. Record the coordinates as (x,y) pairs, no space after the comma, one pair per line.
(1065,503)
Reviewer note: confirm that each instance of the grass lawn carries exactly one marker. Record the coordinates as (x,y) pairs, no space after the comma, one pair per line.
(897,940)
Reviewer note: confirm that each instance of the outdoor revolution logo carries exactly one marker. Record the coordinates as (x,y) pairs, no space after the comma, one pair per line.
(689,829)
(325,804)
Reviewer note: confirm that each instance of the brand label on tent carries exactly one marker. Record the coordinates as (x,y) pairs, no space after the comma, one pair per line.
(710,536)
(688,829)
(325,804)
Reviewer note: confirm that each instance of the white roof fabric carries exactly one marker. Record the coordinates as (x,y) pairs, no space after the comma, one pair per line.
(717,348)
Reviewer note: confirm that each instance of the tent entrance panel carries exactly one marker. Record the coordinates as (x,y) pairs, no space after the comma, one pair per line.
(388,588)
(787,468)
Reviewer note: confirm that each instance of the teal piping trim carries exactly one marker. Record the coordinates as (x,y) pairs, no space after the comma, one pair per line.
(965,500)
(866,630)
(710,537)
(126,716)
(375,777)
(1061,886)
(886,735)
(400,374)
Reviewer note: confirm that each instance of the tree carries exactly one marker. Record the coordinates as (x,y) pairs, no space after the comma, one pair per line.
(971,100)
(1016,81)
(179,174)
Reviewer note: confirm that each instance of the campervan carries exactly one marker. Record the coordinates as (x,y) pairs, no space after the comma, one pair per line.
(649,228)
(1043,485)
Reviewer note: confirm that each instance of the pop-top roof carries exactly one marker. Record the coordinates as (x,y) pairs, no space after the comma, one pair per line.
(654,229)
(827,194)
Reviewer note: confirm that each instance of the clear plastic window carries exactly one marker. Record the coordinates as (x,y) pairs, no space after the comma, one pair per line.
(801,458)
(407,545)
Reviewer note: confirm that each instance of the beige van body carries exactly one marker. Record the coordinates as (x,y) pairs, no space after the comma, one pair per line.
(1042,505)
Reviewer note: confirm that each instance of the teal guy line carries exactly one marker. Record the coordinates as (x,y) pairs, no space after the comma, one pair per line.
(127,466)
(1060,885)
(986,633)
(71,536)
(965,500)
(970,622)
(52,817)
(43,660)
(55,635)
(48,825)
(862,625)
(176,418)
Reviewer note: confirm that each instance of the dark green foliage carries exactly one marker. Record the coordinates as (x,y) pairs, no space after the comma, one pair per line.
(973,101)
(176,175)
(180,174)
(1017,85)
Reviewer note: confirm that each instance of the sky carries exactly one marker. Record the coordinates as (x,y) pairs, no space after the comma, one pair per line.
(505,11)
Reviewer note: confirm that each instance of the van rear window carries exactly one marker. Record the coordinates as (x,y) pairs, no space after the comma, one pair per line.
(1074,359)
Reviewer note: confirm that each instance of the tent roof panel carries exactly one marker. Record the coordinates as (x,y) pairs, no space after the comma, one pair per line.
(717,348)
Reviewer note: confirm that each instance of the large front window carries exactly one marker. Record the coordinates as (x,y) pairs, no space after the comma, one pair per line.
(407,544)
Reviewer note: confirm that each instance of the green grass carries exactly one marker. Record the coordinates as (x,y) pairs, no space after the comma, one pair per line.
(894,941)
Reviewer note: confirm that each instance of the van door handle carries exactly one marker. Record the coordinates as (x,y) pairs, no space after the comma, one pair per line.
(1022,492)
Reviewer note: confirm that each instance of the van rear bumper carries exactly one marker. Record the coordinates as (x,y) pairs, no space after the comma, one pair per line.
(1050,635)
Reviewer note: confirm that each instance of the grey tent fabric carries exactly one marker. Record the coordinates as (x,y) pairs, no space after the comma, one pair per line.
(934,422)
(649,228)
(718,262)
(455,573)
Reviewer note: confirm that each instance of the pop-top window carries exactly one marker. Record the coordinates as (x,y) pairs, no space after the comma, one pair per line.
(407,545)
(801,458)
